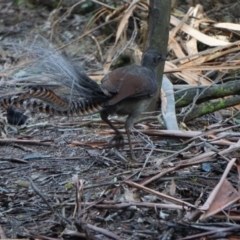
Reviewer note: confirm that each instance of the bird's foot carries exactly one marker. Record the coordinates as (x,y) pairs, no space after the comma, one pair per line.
(118,141)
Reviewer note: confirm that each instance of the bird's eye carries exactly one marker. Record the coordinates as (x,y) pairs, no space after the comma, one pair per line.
(157,59)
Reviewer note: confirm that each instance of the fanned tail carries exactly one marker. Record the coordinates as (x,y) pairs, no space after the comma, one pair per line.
(53,85)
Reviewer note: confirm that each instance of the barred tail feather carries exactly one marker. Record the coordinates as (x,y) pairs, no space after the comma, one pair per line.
(83,108)
(45,95)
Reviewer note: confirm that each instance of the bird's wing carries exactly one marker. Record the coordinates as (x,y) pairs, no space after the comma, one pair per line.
(129,82)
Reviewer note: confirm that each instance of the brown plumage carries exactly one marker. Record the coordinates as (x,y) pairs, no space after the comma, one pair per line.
(131,89)
(124,91)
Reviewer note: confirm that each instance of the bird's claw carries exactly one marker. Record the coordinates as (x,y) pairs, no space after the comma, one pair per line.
(118,141)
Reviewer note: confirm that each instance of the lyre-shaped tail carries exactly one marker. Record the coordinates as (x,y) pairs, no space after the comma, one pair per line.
(44,100)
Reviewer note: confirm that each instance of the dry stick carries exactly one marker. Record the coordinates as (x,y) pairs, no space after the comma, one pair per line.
(199,159)
(2,234)
(207,144)
(209,51)
(231,148)
(32,142)
(225,63)
(103,231)
(95,204)
(213,194)
(40,194)
(193,104)
(98,46)
(114,205)
(102,42)
(34,187)
(78,188)
(148,140)
(103,4)
(230,118)
(205,226)
(71,233)
(25,149)
(202,68)
(65,15)
(118,154)
(36,236)
(158,194)
(193,135)
(89,31)
(181,134)
(227,217)
(122,25)
(14,160)
(205,234)
(146,161)
(184,19)
(154,149)
(178,152)
(221,142)
(202,92)
(79,198)
(166,133)
(147,118)
(138,5)
(209,132)
(133,37)
(145,234)
(55,13)
(195,160)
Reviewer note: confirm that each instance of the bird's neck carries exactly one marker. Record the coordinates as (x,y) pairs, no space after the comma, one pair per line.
(147,64)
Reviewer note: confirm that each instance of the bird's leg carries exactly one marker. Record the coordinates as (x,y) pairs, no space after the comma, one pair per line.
(132,155)
(128,125)
(118,138)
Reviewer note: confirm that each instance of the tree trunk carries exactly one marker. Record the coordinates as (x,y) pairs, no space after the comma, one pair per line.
(158,31)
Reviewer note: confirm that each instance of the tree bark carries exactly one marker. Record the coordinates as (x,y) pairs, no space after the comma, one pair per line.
(226,95)
(158,32)
(204,94)
(209,107)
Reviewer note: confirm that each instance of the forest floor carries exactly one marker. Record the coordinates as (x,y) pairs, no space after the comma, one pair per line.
(61,179)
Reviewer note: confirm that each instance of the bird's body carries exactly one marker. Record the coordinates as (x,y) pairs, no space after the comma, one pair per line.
(132,81)
(125,91)
(134,107)
(130,89)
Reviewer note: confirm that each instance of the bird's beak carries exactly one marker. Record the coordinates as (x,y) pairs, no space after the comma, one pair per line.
(164,58)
